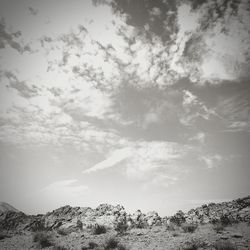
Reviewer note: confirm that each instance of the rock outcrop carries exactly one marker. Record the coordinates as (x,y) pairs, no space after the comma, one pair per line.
(233,211)
(68,217)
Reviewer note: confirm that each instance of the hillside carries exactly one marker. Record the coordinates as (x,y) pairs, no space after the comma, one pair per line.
(5,207)
(75,227)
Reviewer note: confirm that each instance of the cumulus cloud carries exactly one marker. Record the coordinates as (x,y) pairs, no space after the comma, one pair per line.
(67,89)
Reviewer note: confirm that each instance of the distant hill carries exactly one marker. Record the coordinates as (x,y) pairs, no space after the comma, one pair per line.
(5,207)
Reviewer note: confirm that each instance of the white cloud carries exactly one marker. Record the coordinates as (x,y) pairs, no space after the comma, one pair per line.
(212,161)
(150,162)
(195,108)
(116,157)
(199,137)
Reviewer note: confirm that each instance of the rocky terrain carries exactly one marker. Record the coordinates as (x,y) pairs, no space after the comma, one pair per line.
(212,226)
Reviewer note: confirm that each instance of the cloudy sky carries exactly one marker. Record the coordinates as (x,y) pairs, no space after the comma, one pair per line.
(144,103)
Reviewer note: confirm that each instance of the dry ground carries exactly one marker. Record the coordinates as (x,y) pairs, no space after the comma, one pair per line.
(158,238)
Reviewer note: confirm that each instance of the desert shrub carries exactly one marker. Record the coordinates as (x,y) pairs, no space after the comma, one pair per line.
(111,243)
(142,224)
(63,231)
(190,246)
(178,218)
(171,227)
(92,245)
(188,228)
(60,248)
(225,221)
(121,227)
(121,247)
(79,224)
(215,221)
(175,234)
(218,227)
(99,229)
(43,239)
(195,244)
(224,245)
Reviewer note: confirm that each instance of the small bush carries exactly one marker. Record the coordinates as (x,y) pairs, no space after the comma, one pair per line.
(92,245)
(43,239)
(218,227)
(121,227)
(175,234)
(191,246)
(188,228)
(79,224)
(99,229)
(195,244)
(121,247)
(224,245)
(178,218)
(171,227)
(225,221)
(111,243)
(63,231)
(60,248)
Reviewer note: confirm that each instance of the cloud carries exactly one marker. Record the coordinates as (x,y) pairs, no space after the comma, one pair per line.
(116,157)
(199,137)
(11,39)
(150,162)
(195,109)
(234,109)
(212,161)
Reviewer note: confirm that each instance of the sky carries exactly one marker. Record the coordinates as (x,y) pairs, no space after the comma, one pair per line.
(141,103)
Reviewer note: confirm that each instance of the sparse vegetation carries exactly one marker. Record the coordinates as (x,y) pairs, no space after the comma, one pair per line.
(60,248)
(218,227)
(111,243)
(92,245)
(99,229)
(224,245)
(190,246)
(79,224)
(188,228)
(175,234)
(195,244)
(43,239)
(225,221)
(121,247)
(121,227)
(63,231)
(171,227)
(178,218)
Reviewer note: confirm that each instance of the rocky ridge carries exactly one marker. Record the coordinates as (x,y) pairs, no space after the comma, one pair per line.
(110,216)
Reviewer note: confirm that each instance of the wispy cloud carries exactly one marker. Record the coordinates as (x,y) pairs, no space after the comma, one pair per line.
(212,161)
(150,162)
(116,157)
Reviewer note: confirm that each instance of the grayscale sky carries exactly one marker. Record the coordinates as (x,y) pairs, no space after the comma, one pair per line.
(141,103)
